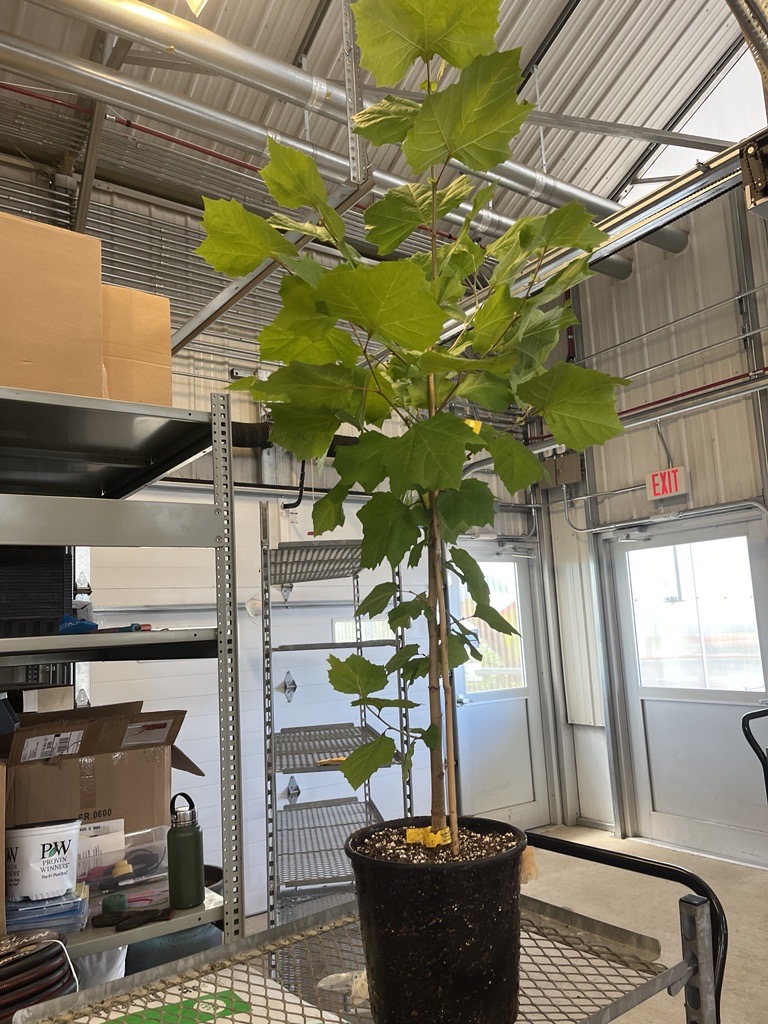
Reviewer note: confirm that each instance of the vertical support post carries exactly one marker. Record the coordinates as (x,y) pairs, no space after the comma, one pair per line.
(269,724)
(229,698)
(359,168)
(696,934)
(402,694)
(359,650)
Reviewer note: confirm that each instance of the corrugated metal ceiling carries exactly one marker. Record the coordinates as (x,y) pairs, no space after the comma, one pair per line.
(635,61)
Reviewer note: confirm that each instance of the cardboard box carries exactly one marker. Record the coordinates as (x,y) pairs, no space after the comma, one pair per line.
(136,337)
(94,764)
(50,297)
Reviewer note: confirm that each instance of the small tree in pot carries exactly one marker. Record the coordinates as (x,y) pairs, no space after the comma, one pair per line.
(398,361)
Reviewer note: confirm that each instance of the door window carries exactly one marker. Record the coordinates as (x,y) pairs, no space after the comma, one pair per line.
(694,616)
(502,667)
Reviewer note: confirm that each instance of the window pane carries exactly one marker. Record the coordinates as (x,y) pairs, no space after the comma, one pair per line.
(694,616)
(502,664)
(371,629)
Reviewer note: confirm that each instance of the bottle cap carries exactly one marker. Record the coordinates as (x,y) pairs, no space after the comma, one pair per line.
(183,815)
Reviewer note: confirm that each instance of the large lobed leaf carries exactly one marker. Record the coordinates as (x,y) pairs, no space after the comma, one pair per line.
(302,333)
(356,675)
(391,301)
(392,34)
(390,529)
(389,120)
(237,241)
(577,404)
(392,219)
(367,759)
(473,120)
(471,505)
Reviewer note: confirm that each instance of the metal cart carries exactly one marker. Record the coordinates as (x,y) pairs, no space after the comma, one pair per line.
(574,970)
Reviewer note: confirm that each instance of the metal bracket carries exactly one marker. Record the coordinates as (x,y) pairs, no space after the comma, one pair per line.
(293,791)
(289,686)
(359,168)
(696,934)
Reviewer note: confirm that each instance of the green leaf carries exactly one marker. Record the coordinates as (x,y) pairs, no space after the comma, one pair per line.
(430,455)
(417,668)
(238,241)
(470,505)
(495,320)
(301,333)
(403,614)
(363,463)
(389,300)
(429,736)
(539,336)
(337,390)
(408,760)
(487,390)
(392,219)
(473,120)
(401,657)
(467,569)
(568,227)
(292,177)
(307,269)
(516,466)
(392,34)
(572,274)
(383,703)
(356,675)
(577,403)
(307,433)
(363,762)
(390,528)
(328,511)
(377,601)
(389,120)
(495,619)
(304,227)
(457,651)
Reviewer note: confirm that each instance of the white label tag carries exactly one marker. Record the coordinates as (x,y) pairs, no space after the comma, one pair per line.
(38,748)
(147,734)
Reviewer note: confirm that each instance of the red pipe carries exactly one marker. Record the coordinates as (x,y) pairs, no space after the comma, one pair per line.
(49,99)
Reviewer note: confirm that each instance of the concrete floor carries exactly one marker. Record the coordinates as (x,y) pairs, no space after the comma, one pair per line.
(650,906)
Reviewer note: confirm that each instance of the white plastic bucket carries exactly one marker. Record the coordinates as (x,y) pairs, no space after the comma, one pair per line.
(41,860)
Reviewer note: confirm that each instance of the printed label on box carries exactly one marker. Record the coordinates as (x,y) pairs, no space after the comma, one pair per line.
(38,748)
(145,734)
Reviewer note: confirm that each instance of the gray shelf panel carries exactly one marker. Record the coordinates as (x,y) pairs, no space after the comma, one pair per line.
(299,749)
(341,646)
(293,906)
(157,645)
(309,561)
(95,940)
(90,447)
(564,977)
(311,840)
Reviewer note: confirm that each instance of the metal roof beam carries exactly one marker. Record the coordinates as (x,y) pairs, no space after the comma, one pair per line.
(150,27)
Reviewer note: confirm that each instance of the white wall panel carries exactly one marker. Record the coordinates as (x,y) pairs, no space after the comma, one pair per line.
(593,773)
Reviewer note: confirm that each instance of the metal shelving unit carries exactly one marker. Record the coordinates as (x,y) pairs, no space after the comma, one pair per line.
(306,866)
(65,462)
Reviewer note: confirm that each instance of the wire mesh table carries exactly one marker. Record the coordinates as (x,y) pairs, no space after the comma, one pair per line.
(573,971)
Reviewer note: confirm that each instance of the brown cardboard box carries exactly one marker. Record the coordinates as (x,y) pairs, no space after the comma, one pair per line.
(95,764)
(137,345)
(50,308)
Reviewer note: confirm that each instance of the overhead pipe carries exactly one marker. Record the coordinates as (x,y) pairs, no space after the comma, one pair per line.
(150,27)
(83,77)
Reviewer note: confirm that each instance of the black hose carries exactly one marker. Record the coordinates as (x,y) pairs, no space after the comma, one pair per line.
(300,496)
(655,869)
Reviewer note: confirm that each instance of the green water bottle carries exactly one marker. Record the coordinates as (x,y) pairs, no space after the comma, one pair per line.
(186,875)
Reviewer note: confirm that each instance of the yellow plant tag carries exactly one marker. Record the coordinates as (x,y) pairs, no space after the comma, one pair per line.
(475,425)
(324,761)
(426,837)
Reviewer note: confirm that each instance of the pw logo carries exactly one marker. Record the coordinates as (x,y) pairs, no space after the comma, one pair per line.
(57,849)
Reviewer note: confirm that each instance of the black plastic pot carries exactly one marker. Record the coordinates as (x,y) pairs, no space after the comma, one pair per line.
(442,941)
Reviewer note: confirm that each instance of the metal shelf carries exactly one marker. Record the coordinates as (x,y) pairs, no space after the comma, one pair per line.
(299,749)
(90,447)
(308,561)
(573,971)
(157,645)
(311,837)
(340,646)
(96,940)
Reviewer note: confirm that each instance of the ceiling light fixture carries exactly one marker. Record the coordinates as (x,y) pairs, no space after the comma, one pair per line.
(196,6)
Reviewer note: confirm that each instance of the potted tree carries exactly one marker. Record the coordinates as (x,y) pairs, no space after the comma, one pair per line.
(438,895)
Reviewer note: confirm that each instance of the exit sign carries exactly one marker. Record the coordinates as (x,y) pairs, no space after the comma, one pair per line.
(666,483)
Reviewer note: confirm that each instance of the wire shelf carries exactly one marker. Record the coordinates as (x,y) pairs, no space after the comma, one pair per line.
(299,749)
(294,906)
(565,979)
(311,839)
(307,561)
